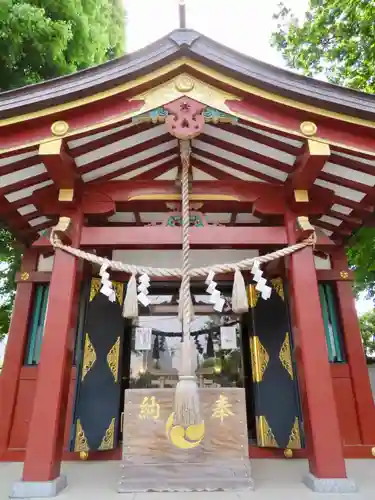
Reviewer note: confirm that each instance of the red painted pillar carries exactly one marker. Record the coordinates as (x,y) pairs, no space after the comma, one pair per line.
(323,439)
(355,354)
(15,350)
(46,430)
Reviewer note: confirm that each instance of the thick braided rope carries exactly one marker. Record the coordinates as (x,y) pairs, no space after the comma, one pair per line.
(166,272)
(185,284)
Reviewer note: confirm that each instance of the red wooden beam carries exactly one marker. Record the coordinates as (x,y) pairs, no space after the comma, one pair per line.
(309,164)
(60,165)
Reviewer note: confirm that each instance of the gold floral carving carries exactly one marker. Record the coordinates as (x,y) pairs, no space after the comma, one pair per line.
(113,359)
(109,437)
(95,287)
(265,436)
(277,284)
(184,83)
(25,276)
(344,275)
(259,359)
(295,437)
(285,356)
(253,295)
(119,289)
(89,357)
(80,443)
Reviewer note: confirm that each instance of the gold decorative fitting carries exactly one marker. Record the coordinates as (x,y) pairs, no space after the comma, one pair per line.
(253,296)
(288,453)
(80,443)
(113,359)
(95,287)
(373,451)
(25,276)
(259,359)
(83,455)
(265,436)
(89,357)
(119,289)
(295,437)
(277,284)
(308,128)
(59,128)
(301,195)
(109,437)
(66,194)
(344,275)
(285,356)
(184,83)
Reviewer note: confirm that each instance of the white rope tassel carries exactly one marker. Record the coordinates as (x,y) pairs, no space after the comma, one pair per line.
(186,404)
(130,309)
(240,302)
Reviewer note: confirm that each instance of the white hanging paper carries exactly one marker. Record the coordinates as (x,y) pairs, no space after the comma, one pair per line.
(143,339)
(228,337)
(215,296)
(219,304)
(255,267)
(142,288)
(144,279)
(210,277)
(258,274)
(112,296)
(103,269)
(106,289)
(266,292)
(143,299)
(211,287)
(261,284)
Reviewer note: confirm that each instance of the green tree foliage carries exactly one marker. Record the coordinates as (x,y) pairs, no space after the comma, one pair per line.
(336,40)
(44,39)
(367,323)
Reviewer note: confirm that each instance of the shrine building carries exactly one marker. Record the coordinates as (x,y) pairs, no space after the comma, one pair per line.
(275,159)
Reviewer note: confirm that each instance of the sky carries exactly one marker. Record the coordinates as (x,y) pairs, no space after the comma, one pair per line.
(244,25)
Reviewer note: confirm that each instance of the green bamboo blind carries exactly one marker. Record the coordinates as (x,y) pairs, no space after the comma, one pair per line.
(36,325)
(331,323)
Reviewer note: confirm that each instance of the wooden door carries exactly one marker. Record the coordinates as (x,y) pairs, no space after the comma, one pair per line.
(96,423)
(276,398)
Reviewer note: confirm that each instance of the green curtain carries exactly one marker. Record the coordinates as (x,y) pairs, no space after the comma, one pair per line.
(36,325)
(331,323)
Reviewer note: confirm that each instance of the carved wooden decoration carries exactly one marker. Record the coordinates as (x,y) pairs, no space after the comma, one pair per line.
(185,119)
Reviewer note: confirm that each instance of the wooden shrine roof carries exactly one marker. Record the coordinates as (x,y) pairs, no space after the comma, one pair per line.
(114,135)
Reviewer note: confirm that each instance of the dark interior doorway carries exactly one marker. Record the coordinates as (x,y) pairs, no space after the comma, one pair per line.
(158,367)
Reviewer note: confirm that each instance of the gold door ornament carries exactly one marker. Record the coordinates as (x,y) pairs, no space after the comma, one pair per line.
(277,284)
(95,287)
(286,357)
(119,289)
(113,359)
(109,436)
(295,437)
(259,359)
(253,296)
(89,357)
(80,443)
(265,436)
